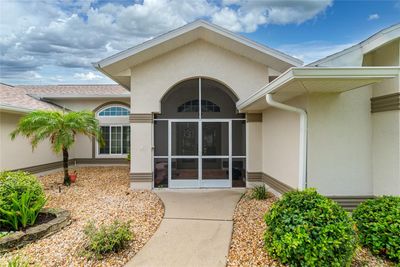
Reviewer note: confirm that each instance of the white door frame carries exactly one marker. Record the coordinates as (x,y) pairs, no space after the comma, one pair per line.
(199,182)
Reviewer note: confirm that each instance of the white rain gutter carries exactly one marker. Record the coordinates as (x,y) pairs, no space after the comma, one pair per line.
(303,138)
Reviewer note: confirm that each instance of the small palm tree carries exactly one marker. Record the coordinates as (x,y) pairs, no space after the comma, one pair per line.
(61,128)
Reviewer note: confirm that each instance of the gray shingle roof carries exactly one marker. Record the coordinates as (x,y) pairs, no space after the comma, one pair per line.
(28,97)
(79,89)
(17,98)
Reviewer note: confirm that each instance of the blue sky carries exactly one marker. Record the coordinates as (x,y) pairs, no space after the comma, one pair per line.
(55,41)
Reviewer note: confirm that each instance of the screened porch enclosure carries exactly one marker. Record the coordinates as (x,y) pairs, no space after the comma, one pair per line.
(199,138)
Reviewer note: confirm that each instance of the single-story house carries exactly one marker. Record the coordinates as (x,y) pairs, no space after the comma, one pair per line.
(111,104)
(212,109)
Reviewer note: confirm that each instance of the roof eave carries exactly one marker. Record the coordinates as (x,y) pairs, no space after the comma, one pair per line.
(80,96)
(319,73)
(187,28)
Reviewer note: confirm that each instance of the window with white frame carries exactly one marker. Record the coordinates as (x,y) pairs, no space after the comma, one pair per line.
(116,139)
(115,133)
(114,111)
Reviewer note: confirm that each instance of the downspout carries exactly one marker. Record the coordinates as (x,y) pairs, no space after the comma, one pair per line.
(303,138)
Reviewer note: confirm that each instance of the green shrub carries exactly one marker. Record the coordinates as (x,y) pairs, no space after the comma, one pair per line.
(307,229)
(107,238)
(378,226)
(259,192)
(21,199)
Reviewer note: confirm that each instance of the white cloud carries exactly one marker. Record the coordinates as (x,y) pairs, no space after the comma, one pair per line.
(246,16)
(313,50)
(89,76)
(62,37)
(373,16)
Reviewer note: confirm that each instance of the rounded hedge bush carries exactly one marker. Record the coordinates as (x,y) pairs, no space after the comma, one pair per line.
(15,184)
(305,228)
(378,226)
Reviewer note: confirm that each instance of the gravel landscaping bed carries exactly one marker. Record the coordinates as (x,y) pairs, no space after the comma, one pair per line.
(100,194)
(247,244)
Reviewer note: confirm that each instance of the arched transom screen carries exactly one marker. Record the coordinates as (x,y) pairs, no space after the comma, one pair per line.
(199,98)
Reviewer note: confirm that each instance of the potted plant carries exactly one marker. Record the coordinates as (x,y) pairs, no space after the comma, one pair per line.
(72,176)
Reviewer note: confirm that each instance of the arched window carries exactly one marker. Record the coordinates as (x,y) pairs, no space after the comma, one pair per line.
(114,111)
(193,106)
(115,130)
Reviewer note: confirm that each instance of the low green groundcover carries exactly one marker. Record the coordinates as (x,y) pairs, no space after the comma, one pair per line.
(305,228)
(378,226)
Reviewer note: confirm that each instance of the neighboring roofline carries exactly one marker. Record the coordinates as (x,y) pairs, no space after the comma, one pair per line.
(318,73)
(77,96)
(186,28)
(15,109)
(374,38)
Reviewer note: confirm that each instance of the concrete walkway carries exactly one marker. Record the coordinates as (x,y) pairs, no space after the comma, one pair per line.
(195,231)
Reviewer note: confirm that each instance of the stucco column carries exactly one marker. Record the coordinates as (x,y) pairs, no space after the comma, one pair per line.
(254,148)
(141,172)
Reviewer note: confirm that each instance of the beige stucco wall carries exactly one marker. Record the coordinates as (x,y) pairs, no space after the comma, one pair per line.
(280,143)
(385,125)
(339,143)
(83,144)
(254,148)
(152,79)
(386,152)
(18,153)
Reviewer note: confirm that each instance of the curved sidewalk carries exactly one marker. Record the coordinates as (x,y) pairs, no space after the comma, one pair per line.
(195,231)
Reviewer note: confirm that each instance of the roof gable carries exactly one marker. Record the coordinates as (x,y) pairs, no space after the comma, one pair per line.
(115,66)
(356,52)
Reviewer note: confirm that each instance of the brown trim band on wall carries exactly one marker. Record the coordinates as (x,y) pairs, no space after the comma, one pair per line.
(254,176)
(349,203)
(141,177)
(276,184)
(141,118)
(71,162)
(385,103)
(254,117)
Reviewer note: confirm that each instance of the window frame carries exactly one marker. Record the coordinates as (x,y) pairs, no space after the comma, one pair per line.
(108,122)
(112,106)
(114,155)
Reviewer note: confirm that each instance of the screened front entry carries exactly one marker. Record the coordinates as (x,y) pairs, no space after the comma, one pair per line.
(199,138)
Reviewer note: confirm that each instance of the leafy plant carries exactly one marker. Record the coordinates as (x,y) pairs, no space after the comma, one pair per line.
(259,192)
(24,212)
(378,226)
(17,262)
(60,128)
(107,238)
(305,228)
(21,199)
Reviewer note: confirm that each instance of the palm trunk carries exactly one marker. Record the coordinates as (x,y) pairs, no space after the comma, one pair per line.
(67,181)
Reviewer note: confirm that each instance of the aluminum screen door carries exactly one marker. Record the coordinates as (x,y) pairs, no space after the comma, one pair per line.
(199,153)
(199,137)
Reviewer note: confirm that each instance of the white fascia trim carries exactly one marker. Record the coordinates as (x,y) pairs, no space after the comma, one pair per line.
(78,96)
(15,109)
(369,44)
(187,28)
(319,72)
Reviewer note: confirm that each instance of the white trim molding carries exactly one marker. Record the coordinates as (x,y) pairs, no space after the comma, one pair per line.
(349,78)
